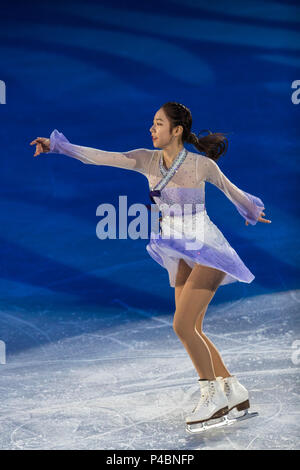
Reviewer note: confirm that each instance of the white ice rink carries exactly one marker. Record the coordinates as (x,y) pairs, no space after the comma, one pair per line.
(122,379)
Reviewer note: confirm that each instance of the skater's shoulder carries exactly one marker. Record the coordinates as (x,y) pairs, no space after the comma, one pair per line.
(196,156)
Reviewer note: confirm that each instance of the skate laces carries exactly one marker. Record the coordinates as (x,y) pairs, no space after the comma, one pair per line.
(210,394)
(206,395)
(226,388)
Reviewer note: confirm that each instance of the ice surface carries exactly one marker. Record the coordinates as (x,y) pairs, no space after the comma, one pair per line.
(121,379)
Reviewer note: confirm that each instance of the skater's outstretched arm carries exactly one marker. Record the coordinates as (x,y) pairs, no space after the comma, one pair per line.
(136,160)
(249,206)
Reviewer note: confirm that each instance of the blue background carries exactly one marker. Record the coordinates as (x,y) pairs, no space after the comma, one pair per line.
(98,72)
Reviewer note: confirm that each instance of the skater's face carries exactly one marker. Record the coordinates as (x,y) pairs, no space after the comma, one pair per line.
(160,130)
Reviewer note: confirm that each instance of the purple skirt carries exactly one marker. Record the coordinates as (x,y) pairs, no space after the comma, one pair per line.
(196,240)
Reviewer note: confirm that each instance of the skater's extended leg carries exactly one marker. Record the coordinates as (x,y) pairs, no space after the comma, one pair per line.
(198,290)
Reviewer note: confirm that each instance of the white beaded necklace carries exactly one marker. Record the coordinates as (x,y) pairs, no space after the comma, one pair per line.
(168,173)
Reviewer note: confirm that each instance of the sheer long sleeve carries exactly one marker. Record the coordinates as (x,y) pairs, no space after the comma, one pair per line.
(248,206)
(136,160)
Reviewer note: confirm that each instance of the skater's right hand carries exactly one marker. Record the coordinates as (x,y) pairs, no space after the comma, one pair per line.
(42,145)
(260,219)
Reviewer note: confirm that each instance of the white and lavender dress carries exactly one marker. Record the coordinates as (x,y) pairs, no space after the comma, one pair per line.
(186,230)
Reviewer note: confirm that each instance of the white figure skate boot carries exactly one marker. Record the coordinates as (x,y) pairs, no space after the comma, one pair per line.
(237,395)
(213,402)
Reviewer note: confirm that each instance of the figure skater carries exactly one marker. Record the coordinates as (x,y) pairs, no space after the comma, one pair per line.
(177,178)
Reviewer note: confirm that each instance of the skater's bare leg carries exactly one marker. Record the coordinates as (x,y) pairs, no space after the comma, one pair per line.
(182,274)
(219,366)
(198,290)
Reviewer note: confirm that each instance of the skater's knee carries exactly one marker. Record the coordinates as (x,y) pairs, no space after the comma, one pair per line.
(176,327)
(179,326)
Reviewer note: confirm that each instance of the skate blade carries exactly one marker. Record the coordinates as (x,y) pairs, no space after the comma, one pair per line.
(222,422)
(201,427)
(247,415)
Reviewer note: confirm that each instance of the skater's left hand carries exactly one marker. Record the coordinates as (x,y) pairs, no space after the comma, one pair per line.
(42,145)
(260,219)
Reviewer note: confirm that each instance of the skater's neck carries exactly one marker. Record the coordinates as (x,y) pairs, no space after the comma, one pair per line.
(170,152)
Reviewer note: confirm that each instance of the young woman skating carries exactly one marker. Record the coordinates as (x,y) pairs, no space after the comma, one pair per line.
(198,260)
